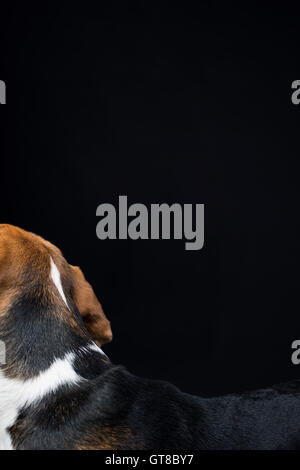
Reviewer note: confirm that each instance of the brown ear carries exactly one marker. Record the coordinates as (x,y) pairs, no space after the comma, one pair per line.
(90,308)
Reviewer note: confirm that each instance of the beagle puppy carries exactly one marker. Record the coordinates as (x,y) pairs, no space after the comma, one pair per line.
(58,390)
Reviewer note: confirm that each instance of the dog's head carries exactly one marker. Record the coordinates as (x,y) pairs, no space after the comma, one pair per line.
(40,292)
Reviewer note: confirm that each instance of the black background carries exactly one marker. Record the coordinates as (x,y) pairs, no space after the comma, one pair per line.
(164,104)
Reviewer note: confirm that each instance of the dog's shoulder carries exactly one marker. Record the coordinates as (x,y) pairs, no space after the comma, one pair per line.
(154,413)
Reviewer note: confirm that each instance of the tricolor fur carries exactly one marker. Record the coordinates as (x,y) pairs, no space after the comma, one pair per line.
(58,390)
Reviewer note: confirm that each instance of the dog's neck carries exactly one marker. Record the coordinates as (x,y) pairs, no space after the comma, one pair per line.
(35,336)
(17,394)
(47,349)
(69,373)
(39,365)
(40,326)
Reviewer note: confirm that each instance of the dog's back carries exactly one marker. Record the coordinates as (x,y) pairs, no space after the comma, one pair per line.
(117,410)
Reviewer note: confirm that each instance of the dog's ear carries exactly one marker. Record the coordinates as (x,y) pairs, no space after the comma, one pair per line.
(90,308)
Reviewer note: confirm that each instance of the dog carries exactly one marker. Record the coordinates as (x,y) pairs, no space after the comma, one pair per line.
(58,390)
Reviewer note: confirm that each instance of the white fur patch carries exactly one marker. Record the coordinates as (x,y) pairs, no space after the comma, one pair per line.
(15,393)
(5,441)
(55,276)
(95,347)
(91,347)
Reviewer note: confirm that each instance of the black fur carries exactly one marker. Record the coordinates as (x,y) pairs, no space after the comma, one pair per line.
(34,335)
(113,409)
(157,415)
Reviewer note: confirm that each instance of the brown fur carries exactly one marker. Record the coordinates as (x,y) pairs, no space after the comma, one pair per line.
(109,438)
(90,308)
